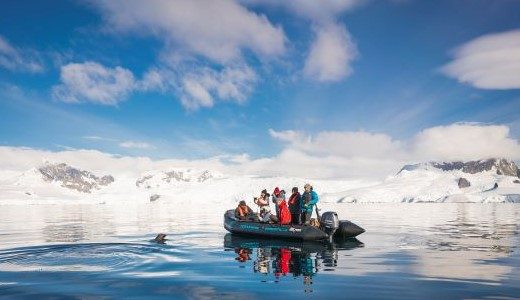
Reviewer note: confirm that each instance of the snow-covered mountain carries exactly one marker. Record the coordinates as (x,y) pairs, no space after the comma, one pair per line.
(174,177)
(72,178)
(500,166)
(491,180)
(52,180)
(59,182)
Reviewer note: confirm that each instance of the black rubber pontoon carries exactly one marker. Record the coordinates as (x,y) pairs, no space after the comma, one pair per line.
(346,229)
(241,241)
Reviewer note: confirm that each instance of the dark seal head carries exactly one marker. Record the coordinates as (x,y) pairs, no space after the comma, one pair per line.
(160,238)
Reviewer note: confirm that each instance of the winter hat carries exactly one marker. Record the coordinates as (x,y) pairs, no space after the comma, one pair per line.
(276,191)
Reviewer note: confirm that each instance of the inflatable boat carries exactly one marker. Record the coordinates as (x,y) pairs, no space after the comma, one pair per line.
(330,227)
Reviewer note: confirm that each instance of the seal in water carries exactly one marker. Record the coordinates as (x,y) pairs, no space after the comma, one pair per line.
(160,238)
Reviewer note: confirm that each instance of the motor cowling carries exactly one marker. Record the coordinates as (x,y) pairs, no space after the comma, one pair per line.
(329,222)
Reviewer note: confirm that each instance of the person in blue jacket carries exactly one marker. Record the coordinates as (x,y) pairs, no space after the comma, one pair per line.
(310,198)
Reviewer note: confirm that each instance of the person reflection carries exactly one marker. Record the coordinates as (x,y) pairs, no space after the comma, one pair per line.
(305,265)
(243,254)
(307,284)
(280,259)
(282,262)
(263,259)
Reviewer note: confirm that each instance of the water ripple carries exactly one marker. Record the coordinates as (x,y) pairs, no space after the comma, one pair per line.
(89,257)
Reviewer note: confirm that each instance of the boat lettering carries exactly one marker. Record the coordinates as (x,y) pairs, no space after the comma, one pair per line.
(278,229)
(292,229)
(247,226)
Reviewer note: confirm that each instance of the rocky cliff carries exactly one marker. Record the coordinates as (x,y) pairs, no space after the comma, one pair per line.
(72,178)
(500,165)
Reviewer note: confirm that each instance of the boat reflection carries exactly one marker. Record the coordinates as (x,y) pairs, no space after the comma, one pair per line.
(288,258)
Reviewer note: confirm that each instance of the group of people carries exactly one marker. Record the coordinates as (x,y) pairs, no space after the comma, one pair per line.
(296,210)
(286,261)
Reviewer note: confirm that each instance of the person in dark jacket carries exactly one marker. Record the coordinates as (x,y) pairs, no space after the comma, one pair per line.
(295,206)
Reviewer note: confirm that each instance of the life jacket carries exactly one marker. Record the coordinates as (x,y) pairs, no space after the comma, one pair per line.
(293,200)
(285,214)
(243,210)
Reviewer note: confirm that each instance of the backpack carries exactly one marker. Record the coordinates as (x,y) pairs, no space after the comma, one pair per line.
(314,222)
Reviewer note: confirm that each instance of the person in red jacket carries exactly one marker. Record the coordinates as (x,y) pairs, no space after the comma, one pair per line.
(285,214)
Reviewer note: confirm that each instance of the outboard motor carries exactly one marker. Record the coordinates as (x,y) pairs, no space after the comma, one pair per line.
(329,223)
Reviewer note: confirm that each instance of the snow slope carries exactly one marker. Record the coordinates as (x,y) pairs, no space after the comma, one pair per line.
(183,186)
(426,183)
(198,188)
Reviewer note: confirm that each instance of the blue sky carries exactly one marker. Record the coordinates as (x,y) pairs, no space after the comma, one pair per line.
(221,75)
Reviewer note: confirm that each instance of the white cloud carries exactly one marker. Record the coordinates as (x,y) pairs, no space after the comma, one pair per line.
(22,159)
(287,135)
(332,51)
(331,54)
(203,60)
(93,82)
(120,143)
(199,87)
(15,59)
(342,143)
(325,155)
(339,153)
(152,80)
(358,153)
(215,29)
(136,145)
(195,95)
(465,142)
(312,9)
(98,138)
(231,84)
(491,61)
(322,9)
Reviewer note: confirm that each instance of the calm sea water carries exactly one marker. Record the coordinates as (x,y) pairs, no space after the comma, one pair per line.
(417,251)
